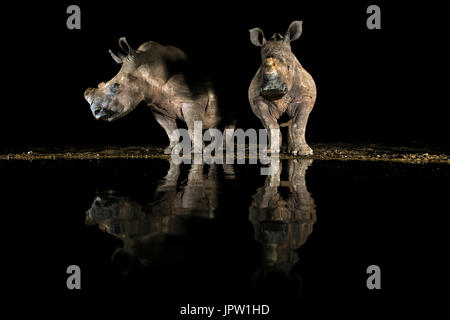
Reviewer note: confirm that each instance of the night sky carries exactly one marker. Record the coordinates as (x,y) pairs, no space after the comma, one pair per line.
(373,85)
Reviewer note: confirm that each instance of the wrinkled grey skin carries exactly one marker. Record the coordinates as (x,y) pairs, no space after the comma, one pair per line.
(153,73)
(144,227)
(282,86)
(283,224)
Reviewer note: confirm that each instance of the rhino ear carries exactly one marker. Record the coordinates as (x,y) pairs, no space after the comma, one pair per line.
(123,44)
(294,31)
(118,59)
(257,37)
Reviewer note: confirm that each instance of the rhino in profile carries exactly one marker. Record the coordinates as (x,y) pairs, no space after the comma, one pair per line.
(282,86)
(157,75)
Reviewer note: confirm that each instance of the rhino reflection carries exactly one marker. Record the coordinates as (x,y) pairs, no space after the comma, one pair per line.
(283,224)
(143,228)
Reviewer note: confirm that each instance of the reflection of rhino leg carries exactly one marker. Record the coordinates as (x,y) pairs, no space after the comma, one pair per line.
(174,172)
(195,177)
(300,200)
(193,198)
(193,194)
(283,225)
(297,170)
(228,169)
(212,188)
(266,197)
(170,180)
(273,180)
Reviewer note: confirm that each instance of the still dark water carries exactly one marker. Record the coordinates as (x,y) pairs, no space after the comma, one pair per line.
(152,237)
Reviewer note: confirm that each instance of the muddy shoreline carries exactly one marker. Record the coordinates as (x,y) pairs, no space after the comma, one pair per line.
(322,151)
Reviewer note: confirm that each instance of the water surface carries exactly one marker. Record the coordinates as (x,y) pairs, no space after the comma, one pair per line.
(149,230)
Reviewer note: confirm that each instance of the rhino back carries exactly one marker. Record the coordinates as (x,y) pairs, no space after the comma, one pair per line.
(171,66)
(154,51)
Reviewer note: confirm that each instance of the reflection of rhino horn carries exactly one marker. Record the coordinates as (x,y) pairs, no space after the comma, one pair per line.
(270,254)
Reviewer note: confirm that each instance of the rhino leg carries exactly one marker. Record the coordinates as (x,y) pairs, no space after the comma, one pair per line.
(193,113)
(269,122)
(296,133)
(170,126)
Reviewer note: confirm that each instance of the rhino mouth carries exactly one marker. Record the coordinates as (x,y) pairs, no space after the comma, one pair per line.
(116,115)
(105,114)
(273,88)
(273,94)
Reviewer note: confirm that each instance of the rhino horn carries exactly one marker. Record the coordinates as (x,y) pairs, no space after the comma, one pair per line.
(269,66)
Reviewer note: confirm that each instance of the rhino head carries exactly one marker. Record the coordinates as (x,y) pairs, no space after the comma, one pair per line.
(120,95)
(278,62)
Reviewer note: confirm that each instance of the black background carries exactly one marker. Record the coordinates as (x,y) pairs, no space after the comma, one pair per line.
(373,85)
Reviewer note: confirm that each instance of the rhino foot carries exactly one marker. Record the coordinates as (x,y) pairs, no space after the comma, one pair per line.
(269,151)
(168,150)
(303,150)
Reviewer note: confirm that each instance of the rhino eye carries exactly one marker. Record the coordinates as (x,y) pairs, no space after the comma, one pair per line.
(114,87)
